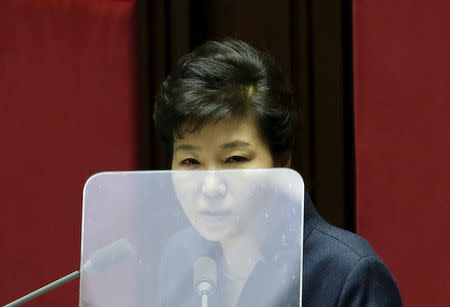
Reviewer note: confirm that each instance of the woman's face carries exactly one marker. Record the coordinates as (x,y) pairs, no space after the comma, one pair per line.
(221,205)
(230,143)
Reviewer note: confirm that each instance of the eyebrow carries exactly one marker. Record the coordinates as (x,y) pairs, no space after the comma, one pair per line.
(230,145)
(186,147)
(234,144)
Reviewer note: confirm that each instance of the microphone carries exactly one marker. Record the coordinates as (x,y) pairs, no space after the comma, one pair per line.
(105,258)
(100,261)
(205,277)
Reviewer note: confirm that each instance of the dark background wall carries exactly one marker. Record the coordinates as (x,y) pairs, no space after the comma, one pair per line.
(311,40)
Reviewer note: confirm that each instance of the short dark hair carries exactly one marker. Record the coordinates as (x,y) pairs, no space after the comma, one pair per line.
(223,79)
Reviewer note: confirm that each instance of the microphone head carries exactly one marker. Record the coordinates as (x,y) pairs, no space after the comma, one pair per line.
(105,258)
(205,272)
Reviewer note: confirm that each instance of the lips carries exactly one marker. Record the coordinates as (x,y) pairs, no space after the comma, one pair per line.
(214,219)
(215,213)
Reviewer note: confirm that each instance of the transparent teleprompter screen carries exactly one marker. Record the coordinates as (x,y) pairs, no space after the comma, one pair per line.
(192,238)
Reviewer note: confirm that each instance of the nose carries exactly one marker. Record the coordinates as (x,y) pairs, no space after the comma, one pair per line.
(213,186)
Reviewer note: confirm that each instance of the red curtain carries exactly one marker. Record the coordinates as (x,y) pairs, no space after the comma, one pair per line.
(68,109)
(402,112)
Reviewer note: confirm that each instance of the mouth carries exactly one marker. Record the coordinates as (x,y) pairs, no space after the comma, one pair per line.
(216,218)
(215,213)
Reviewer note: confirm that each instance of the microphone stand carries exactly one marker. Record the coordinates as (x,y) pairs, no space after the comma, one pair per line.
(204,289)
(99,261)
(44,289)
(205,300)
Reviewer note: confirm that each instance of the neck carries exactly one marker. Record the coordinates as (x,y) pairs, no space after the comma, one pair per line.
(241,256)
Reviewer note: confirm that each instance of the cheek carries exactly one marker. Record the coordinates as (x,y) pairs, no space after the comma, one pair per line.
(264,160)
(173,164)
(249,189)
(186,187)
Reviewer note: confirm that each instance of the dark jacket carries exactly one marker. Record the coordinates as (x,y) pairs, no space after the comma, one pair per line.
(339,269)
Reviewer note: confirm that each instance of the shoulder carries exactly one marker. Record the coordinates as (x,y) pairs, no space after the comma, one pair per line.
(369,283)
(345,267)
(175,272)
(334,249)
(185,239)
(183,248)
(336,241)
(186,246)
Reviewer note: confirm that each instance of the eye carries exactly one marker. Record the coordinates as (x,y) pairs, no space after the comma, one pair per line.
(189,161)
(236,159)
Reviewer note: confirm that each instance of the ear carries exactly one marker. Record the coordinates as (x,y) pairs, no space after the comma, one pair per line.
(284,160)
(288,161)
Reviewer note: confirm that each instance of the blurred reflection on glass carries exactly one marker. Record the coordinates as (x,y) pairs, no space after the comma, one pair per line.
(225,206)
(250,220)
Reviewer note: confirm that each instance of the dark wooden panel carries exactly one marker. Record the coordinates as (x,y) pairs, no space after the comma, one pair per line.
(311,40)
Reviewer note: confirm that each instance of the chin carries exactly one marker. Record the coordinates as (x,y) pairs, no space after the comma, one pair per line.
(216,234)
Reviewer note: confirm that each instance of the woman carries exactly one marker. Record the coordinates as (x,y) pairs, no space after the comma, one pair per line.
(227,105)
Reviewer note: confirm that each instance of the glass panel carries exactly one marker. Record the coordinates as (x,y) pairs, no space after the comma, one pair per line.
(187,238)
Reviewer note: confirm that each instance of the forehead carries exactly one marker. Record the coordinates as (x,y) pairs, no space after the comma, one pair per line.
(230,129)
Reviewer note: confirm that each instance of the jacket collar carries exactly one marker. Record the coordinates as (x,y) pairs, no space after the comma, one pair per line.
(284,241)
(310,217)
